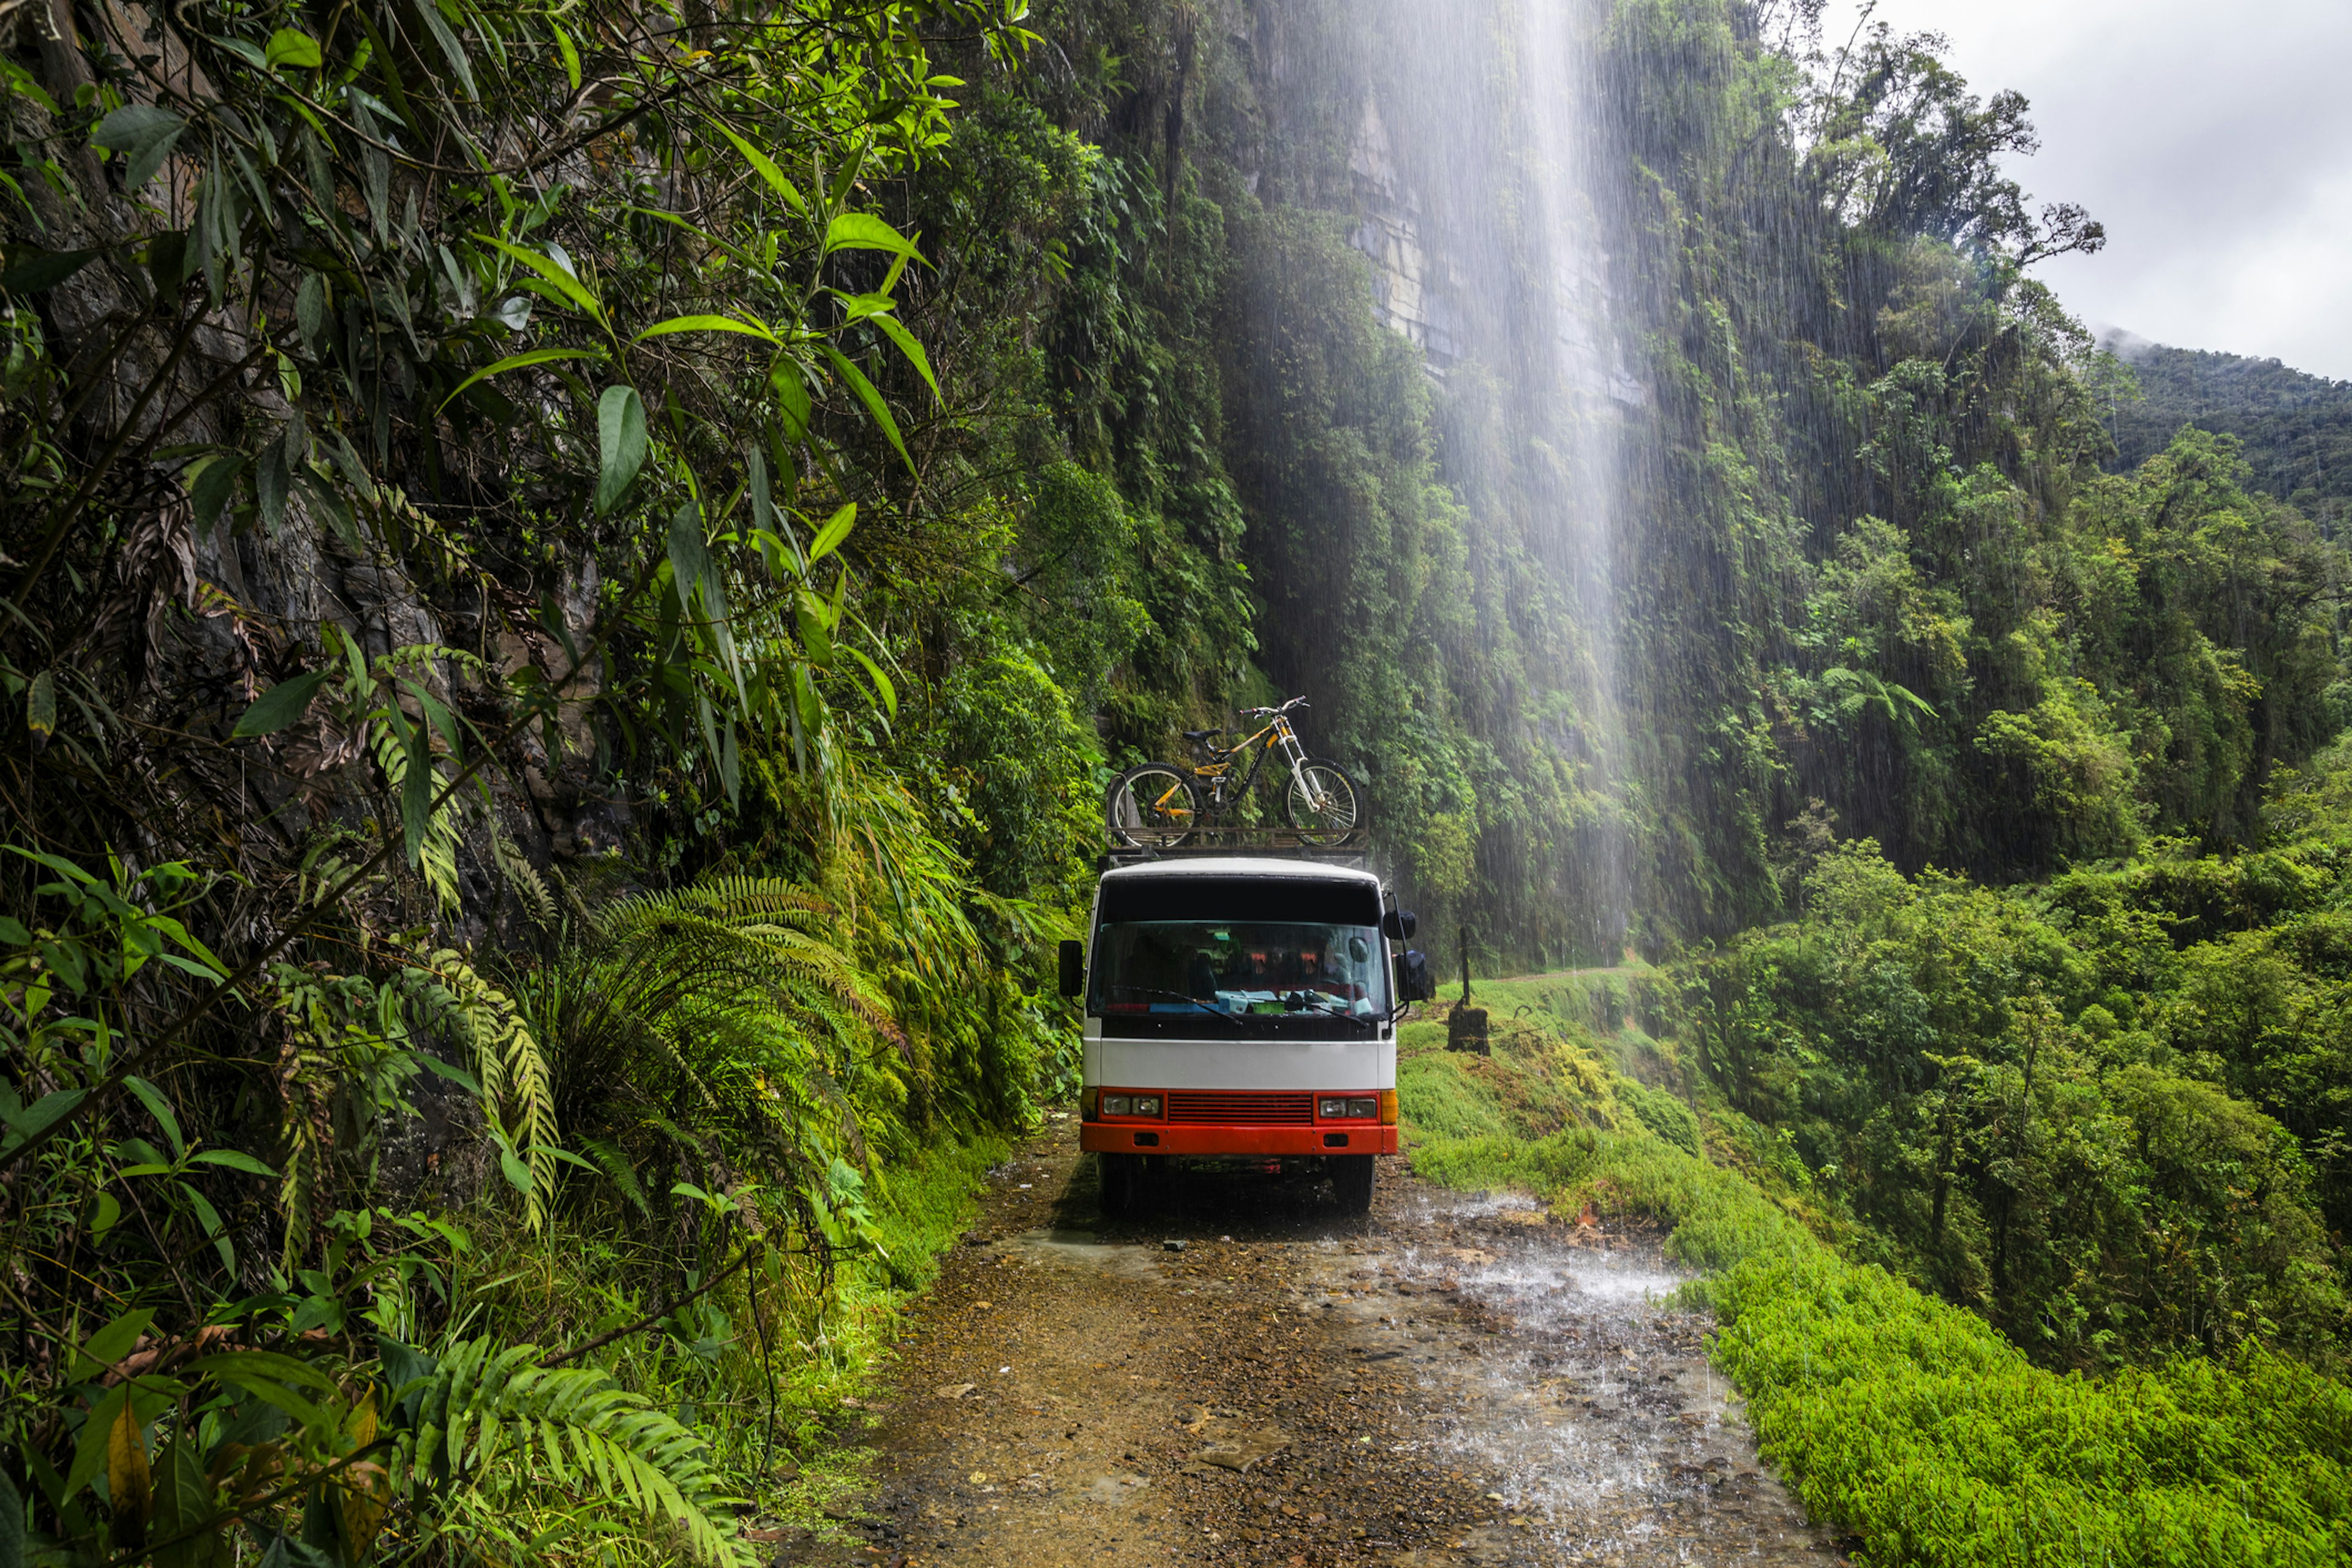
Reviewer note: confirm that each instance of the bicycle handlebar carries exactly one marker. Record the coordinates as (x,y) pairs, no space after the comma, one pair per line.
(1270,713)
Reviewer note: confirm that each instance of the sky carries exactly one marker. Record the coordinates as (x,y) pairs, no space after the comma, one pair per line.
(2213,140)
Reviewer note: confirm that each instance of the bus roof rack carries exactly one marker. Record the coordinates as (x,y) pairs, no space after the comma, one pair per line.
(1272,842)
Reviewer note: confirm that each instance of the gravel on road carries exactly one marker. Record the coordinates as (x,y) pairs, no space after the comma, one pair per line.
(1249,1376)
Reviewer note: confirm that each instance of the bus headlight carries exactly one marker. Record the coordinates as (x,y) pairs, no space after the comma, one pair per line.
(1118,1105)
(1339,1109)
(1147,1105)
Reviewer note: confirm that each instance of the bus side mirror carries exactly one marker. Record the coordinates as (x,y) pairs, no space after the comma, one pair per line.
(1398,925)
(1413,977)
(1073,968)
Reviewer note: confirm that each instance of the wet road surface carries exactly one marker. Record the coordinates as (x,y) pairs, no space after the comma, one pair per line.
(1249,1376)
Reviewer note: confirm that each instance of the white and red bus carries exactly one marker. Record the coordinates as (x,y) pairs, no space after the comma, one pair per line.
(1239,1005)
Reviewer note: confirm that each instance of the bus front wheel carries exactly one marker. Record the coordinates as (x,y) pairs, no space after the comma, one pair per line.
(1122,1181)
(1351,1179)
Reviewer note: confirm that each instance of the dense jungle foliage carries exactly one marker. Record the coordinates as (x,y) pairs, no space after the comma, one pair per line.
(2296,428)
(572,576)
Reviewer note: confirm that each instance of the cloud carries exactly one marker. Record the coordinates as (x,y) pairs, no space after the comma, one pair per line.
(2212,141)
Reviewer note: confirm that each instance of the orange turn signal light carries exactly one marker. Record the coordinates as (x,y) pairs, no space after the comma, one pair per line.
(1387,1108)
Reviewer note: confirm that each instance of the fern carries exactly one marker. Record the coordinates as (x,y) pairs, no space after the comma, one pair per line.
(438,858)
(745,922)
(521,875)
(497,1422)
(509,1064)
(608,1158)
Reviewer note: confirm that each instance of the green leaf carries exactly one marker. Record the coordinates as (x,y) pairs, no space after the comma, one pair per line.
(910,348)
(160,1108)
(440,1068)
(288,47)
(708,324)
(518,1175)
(450,47)
(12,1524)
(311,306)
(183,1501)
(768,171)
(108,1345)
(167,260)
(836,529)
(41,707)
(36,1118)
(882,686)
(271,480)
(872,399)
(234,1160)
(791,396)
(570,53)
(143,135)
(415,790)
(31,269)
(110,1210)
(519,362)
(621,444)
(569,287)
(690,564)
(211,490)
(97,1428)
(282,705)
(437,714)
(134,123)
(864,231)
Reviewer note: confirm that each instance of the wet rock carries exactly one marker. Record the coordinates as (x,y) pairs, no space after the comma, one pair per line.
(1239,1453)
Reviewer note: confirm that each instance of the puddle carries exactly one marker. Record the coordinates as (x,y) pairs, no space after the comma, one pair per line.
(1563,1385)
(1083,1250)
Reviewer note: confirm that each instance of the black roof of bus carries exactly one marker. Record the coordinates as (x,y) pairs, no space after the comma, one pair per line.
(1242,889)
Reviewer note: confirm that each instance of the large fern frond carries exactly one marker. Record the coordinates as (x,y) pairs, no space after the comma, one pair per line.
(508,1062)
(438,858)
(497,1421)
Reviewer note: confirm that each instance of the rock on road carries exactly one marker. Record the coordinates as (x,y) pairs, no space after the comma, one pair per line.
(1450,1380)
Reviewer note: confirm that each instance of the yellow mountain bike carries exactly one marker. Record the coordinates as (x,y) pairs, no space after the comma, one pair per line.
(1161,806)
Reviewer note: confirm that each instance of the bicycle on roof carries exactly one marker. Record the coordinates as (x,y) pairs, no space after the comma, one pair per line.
(1160,805)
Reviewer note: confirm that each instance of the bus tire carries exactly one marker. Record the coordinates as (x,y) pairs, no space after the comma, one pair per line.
(1351,1179)
(1120,1177)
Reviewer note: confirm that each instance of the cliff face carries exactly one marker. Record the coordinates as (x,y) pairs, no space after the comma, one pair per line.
(188,616)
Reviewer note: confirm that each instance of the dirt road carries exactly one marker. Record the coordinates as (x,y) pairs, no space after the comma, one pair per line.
(1249,1377)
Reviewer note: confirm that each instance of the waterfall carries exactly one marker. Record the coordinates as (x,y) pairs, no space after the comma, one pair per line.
(1478,160)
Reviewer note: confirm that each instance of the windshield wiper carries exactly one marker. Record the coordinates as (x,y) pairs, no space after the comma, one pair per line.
(1177,996)
(1335,1009)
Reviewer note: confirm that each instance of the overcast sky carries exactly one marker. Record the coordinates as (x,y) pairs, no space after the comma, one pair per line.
(2213,140)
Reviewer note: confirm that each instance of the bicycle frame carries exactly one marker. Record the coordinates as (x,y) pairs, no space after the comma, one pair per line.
(1224,791)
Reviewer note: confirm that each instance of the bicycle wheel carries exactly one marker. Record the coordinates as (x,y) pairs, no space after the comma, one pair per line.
(1151,807)
(1323,804)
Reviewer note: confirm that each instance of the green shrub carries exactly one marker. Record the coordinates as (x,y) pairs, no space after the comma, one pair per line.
(1663,1114)
(1915,1428)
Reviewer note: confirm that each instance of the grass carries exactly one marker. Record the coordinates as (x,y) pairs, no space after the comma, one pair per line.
(1909,1425)
(925,1204)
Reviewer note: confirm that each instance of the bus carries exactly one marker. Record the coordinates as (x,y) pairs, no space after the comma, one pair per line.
(1241,1006)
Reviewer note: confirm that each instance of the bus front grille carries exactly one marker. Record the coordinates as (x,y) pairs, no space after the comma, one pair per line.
(1246,1110)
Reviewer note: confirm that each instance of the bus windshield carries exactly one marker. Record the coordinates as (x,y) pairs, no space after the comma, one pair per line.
(1285,978)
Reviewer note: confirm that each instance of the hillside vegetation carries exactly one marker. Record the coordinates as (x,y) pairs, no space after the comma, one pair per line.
(1912,1426)
(2296,429)
(572,577)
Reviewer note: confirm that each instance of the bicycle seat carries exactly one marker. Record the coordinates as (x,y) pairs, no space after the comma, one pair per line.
(1201,734)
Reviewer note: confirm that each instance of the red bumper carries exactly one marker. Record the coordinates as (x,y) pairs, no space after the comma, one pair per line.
(1327,1137)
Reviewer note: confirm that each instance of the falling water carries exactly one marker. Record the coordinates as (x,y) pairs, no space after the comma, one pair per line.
(1478,183)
